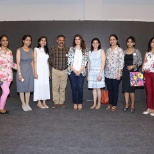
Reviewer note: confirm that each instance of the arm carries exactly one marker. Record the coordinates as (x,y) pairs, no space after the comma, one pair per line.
(35,64)
(50,60)
(13,65)
(18,65)
(99,78)
(144,61)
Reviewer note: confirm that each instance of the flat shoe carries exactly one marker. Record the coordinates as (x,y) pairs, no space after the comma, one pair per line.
(152,114)
(46,106)
(80,106)
(98,107)
(29,108)
(146,112)
(24,107)
(125,109)
(93,107)
(40,106)
(75,106)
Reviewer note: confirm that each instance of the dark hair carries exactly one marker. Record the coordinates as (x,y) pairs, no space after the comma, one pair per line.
(60,36)
(149,44)
(132,38)
(83,46)
(24,38)
(2,37)
(116,37)
(95,39)
(46,46)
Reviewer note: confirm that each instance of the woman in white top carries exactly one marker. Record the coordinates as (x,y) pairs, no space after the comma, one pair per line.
(96,62)
(41,73)
(77,60)
(148,69)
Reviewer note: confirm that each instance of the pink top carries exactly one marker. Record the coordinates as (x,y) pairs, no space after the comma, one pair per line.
(148,65)
(6,65)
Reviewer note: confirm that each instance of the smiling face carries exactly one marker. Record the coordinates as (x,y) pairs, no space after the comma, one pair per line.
(61,42)
(4,42)
(27,41)
(43,42)
(77,41)
(113,41)
(152,44)
(130,43)
(95,44)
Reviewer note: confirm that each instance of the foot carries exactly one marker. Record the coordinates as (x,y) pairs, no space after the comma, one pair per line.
(114,108)
(62,106)
(54,106)
(46,106)
(29,108)
(41,106)
(148,111)
(98,107)
(79,106)
(152,114)
(109,107)
(132,110)
(75,106)
(3,111)
(24,107)
(125,109)
(93,107)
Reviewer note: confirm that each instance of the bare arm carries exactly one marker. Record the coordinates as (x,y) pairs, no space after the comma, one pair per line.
(18,65)
(35,64)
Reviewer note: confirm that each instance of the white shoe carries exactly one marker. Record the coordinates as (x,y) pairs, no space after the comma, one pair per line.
(29,108)
(147,112)
(24,107)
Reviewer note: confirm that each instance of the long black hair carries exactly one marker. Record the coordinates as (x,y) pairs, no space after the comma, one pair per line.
(24,38)
(2,37)
(46,46)
(149,44)
(95,39)
(116,37)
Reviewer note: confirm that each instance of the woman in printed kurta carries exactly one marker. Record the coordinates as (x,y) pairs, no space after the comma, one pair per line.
(148,69)
(113,67)
(6,75)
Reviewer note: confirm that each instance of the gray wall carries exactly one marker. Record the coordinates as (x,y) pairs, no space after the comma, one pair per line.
(142,31)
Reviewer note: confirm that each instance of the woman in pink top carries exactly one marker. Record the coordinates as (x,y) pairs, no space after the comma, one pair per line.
(148,69)
(6,75)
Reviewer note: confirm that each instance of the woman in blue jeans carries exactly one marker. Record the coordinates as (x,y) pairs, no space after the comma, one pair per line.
(77,60)
(113,67)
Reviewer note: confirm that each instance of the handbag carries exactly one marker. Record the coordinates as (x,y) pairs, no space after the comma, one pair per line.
(104,97)
(136,79)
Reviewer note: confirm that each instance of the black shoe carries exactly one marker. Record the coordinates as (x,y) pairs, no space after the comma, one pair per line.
(132,110)
(125,109)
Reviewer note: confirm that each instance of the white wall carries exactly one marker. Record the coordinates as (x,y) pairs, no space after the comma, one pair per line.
(128,10)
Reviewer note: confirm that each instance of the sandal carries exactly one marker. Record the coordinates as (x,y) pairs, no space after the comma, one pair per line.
(109,107)
(114,108)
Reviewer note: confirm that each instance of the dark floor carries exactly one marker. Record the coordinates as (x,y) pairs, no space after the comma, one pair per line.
(66,131)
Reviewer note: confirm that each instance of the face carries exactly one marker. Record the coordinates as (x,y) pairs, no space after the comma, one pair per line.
(113,41)
(4,42)
(61,41)
(130,43)
(27,41)
(95,44)
(77,41)
(152,44)
(43,42)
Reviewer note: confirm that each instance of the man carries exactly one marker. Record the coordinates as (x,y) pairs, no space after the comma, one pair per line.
(58,61)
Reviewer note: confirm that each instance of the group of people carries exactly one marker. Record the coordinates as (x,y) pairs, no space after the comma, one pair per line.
(103,68)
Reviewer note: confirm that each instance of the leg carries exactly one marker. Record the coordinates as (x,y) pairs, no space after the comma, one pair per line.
(22,98)
(126,95)
(5,92)
(94,98)
(45,105)
(27,96)
(63,83)
(132,97)
(99,98)
(55,86)
(152,94)
(40,105)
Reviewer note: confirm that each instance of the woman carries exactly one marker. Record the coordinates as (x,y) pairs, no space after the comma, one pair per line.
(77,60)
(113,69)
(25,78)
(132,60)
(6,75)
(41,73)
(96,65)
(148,69)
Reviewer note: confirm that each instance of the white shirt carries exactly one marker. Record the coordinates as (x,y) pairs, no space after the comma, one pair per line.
(77,60)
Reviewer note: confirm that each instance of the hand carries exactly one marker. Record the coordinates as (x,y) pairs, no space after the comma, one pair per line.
(78,73)
(19,77)
(118,77)
(35,75)
(99,78)
(130,67)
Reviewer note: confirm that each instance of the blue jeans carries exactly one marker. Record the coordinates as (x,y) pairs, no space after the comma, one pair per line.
(77,83)
(113,89)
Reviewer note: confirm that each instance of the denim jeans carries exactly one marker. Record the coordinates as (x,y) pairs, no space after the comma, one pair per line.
(77,83)
(113,89)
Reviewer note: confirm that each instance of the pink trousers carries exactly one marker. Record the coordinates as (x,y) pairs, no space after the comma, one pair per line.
(5,92)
